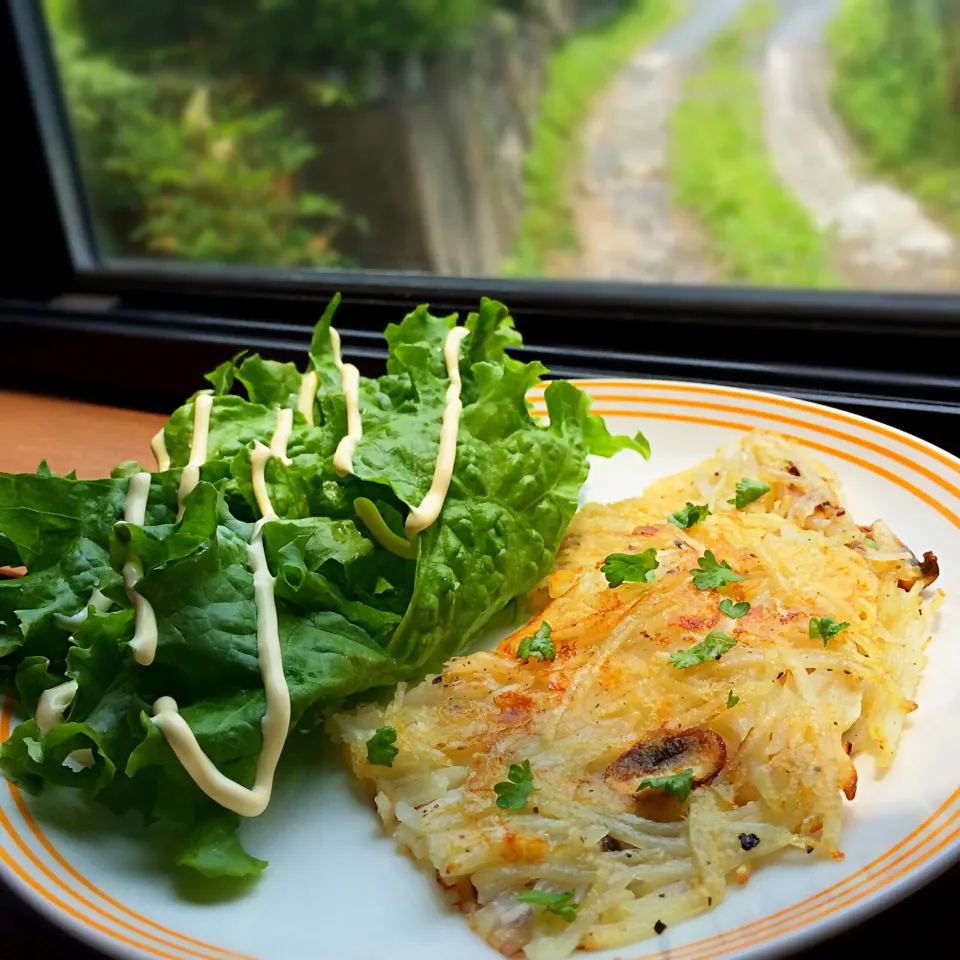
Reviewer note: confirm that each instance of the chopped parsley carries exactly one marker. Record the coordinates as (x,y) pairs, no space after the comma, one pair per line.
(825,628)
(747,491)
(712,647)
(732,700)
(630,567)
(713,573)
(690,515)
(678,786)
(560,904)
(380,747)
(872,544)
(735,610)
(512,793)
(538,645)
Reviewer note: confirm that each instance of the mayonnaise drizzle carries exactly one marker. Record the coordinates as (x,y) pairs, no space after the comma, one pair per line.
(276,719)
(308,393)
(51,706)
(421,517)
(97,600)
(350,385)
(144,642)
(202,406)
(53,703)
(281,435)
(159,447)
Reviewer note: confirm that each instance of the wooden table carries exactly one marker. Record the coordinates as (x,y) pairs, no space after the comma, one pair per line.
(93,439)
(70,435)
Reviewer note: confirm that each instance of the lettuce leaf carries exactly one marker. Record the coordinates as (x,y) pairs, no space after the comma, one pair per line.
(360,606)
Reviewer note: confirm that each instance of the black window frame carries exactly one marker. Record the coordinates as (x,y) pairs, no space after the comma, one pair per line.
(143,332)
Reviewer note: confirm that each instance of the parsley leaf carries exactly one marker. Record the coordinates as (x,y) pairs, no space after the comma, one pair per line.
(732,700)
(380,747)
(512,793)
(632,567)
(712,647)
(712,573)
(678,786)
(561,904)
(825,628)
(735,610)
(872,544)
(538,645)
(690,515)
(747,491)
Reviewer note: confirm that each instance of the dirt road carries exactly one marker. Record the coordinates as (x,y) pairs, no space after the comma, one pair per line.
(884,239)
(630,229)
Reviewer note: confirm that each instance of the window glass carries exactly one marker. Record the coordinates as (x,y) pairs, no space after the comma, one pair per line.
(809,144)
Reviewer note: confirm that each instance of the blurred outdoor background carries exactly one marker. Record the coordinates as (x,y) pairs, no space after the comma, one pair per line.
(792,143)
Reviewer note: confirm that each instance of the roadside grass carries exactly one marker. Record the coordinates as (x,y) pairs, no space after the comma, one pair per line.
(721,171)
(891,88)
(577,73)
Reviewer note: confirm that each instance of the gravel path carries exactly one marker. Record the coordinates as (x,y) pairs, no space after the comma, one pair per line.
(626,221)
(885,240)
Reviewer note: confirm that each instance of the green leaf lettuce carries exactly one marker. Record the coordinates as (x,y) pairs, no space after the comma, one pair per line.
(360,605)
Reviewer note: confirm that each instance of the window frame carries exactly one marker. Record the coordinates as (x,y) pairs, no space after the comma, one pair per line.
(141,334)
(863,350)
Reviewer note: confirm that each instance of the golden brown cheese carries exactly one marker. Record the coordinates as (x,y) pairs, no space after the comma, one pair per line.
(764,734)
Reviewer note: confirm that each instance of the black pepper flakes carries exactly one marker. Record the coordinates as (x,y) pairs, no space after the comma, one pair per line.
(437,679)
(536,809)
(610,844)
(749,840)
(659,927)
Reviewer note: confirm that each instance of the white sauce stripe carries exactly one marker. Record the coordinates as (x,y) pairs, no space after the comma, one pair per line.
(202,406)
(281,435)
(144,642)
(159,447)
(423,516)
(258,463)
(51,707)
(53,703)
(276,719)
(350,385)
(308,393)
(97,600)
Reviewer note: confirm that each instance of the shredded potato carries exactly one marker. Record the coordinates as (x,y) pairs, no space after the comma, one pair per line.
(767,734)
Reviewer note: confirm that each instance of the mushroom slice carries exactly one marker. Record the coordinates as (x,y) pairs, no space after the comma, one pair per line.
(926,570)
(666,755)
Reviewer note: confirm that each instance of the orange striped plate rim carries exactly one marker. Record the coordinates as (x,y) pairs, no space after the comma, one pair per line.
(911,854)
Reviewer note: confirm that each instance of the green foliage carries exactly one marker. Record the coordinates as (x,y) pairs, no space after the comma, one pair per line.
(721,170)
(577,73)
(170,174)
(897,88)
(278,38)
(223,189)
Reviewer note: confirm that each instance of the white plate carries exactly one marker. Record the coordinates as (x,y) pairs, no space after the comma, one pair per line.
(337,888)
